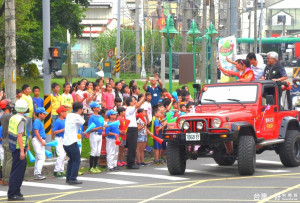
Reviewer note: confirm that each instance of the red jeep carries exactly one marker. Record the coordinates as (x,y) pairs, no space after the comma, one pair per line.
(235,121)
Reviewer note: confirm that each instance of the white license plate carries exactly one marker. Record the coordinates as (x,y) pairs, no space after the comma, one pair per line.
(192,136)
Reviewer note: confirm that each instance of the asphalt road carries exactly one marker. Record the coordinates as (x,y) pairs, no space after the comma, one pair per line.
(204,181)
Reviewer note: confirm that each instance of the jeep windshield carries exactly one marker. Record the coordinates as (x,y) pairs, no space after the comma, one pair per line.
(228,93)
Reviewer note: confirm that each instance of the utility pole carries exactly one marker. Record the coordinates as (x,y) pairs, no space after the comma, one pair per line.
(203,46)
(249,34)
(260,26)
(47,74)
(163,62)
(137,36)
(118,41)
(143,73)
(233,17)
(69,77)
(255,27)
(214,42)
(10,51)
(184,25)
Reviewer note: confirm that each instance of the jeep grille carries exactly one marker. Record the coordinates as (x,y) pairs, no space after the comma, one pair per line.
(193,125)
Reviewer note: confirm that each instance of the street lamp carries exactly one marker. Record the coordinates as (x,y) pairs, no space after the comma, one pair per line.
(193,33)
(209,34)
(169,32)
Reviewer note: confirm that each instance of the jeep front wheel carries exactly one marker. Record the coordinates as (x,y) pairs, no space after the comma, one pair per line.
(176,159)
(246,155)
(289,151)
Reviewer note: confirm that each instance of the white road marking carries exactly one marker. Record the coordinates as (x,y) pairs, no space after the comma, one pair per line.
(105,180)
(268,162)
(199,172)
(148,175)
(3,193)
(48,185)
(256,169)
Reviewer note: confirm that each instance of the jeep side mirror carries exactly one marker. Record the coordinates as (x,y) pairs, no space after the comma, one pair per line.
(270,100)
(197,87)
(197,94)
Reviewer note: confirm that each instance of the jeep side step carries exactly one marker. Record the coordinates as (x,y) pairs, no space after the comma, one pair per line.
(270,142)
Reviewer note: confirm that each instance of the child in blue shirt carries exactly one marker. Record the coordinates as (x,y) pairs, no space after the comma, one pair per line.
(95,137)
(38,142)
(158,128)
(112,133)
(37,100)
(58,130)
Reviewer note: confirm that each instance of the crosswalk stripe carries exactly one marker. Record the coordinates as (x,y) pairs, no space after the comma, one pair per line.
(256,169)
(198,171)
(3,193)
(147,175)
(48,185)
(268,162)
(105,180)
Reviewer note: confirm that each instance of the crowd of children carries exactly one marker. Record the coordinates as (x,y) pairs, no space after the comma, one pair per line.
(116,113)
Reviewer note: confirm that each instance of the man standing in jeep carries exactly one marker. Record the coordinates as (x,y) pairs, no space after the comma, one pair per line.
(274,71)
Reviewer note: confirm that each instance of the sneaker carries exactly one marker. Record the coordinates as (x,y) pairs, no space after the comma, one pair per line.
(119,164)
(156,162)
(98,170)
(80,173)
(57,174)
(116,169)
(39,177)
(74,182)
(144,164)
(64,173)
(15,198)
(161,161)
(111,170)
(93,170)
(124,163)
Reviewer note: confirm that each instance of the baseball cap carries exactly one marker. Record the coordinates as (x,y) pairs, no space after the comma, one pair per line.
(95,105)
(41,110)
(61,109)
(111,112)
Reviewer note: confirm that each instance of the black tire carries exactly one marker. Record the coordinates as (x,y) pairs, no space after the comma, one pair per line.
(176,159)
(289,151)
(246,155)
(224,160)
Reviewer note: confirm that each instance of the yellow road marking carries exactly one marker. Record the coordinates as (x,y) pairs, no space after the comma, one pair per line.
(160,200)
(171,191)
(223,187)
(279,193)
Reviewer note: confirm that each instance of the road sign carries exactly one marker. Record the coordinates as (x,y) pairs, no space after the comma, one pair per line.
(111,53)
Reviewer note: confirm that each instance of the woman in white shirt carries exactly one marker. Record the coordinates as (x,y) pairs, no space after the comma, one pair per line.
(132,131)
(73,122)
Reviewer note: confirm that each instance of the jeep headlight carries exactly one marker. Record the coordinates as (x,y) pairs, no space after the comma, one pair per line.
(199,125)
(180,123)
(216,123)
(186,125)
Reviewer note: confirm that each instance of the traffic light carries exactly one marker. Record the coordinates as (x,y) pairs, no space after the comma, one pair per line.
(55,54)
(63,50)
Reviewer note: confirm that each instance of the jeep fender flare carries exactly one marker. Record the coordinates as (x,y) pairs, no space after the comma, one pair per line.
(243,128)
(288,123)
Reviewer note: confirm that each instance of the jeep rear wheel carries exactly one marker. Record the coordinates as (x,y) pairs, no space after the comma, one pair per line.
(176,159)
(246,155)
(289,151)
(224,160)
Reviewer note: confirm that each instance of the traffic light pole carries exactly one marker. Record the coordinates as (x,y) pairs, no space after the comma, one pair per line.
(47,74)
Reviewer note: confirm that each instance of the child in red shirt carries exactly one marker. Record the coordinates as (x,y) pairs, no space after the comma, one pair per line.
(123,128)
(108,98)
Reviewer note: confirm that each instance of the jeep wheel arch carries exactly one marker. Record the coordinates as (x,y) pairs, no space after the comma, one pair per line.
(288,123)
(244,128)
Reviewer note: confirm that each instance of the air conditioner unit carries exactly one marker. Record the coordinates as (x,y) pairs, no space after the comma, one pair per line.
(249,4)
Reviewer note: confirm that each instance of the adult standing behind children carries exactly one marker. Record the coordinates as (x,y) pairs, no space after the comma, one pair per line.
(18,143)
(26,96)
(6,106)
(132,131)
(154,89)
(73,122)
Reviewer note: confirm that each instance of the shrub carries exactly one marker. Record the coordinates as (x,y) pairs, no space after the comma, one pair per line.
(31,71)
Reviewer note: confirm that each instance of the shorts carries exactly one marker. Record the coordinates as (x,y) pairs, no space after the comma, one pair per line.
(123,143)
(156,145)
(142,138)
